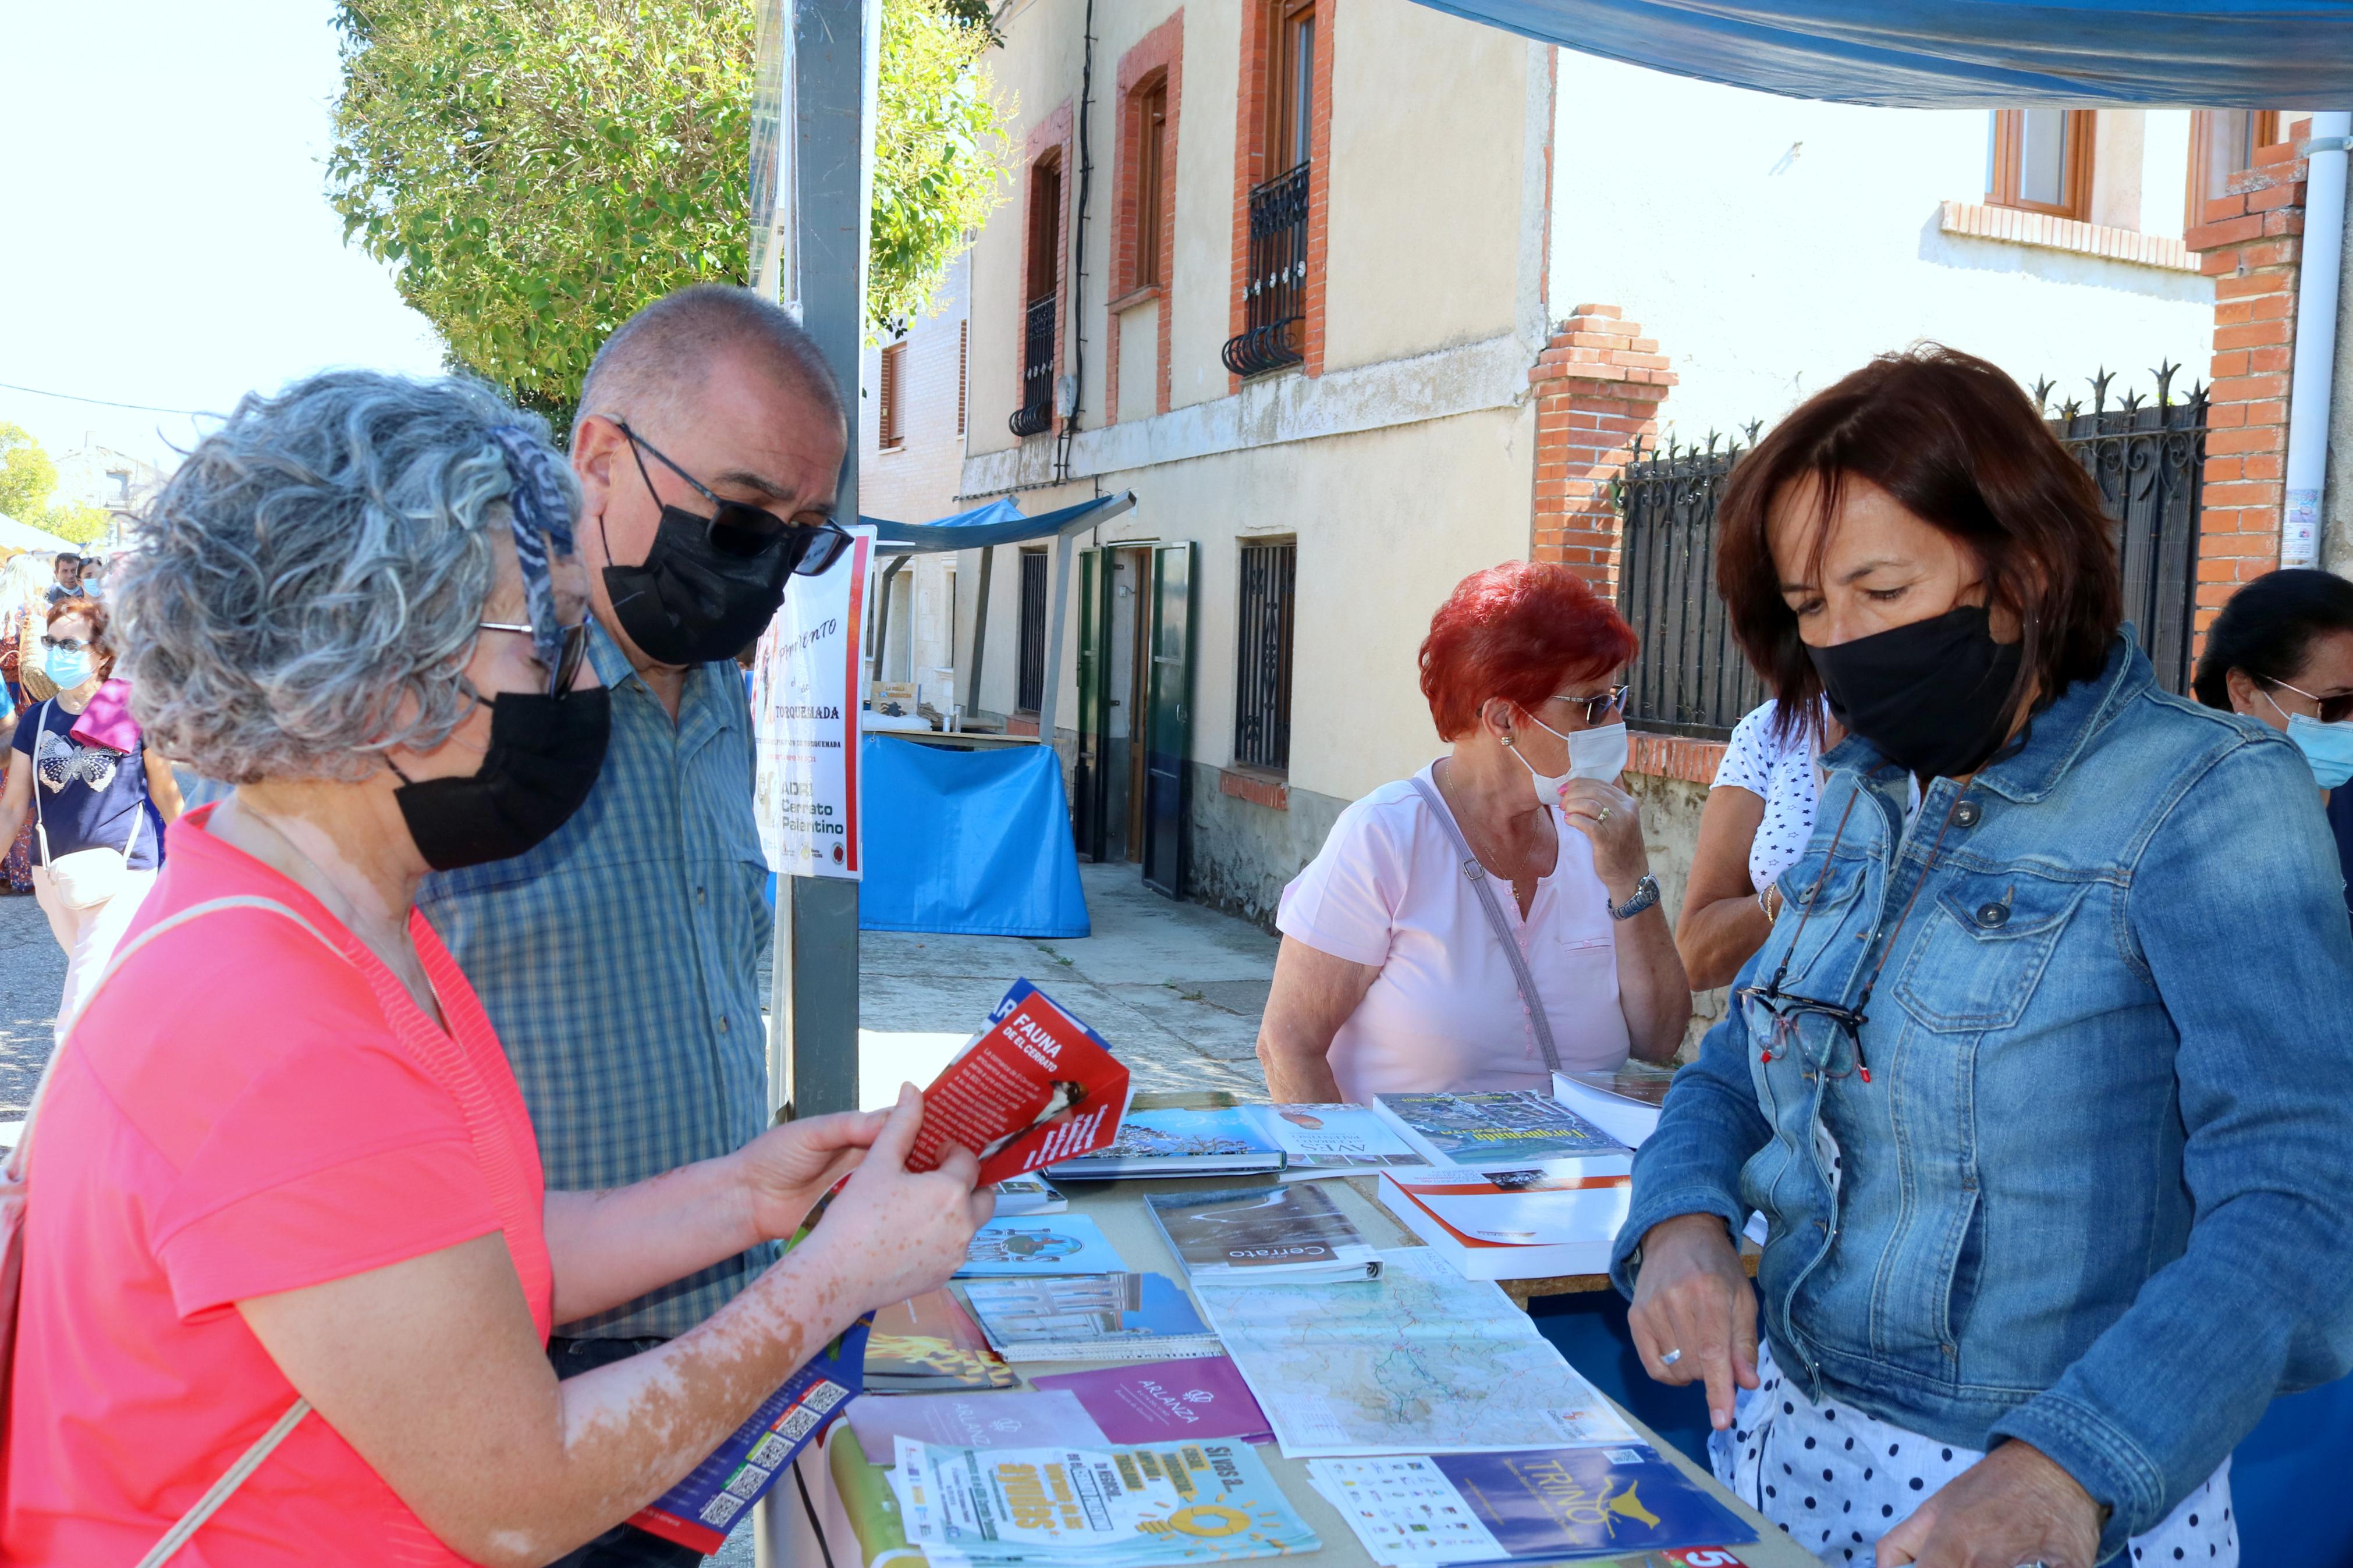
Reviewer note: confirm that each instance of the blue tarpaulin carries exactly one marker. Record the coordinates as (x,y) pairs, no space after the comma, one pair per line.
(968,842)
(999,522)
(1975,54)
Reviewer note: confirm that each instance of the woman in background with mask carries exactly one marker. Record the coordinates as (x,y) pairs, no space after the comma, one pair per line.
(97,810)
(289,1215)
(2054,1157)
(1394,975)
(2281,653)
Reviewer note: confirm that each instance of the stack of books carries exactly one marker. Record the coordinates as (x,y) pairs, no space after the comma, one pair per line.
(1518,1187)
(1301,1141)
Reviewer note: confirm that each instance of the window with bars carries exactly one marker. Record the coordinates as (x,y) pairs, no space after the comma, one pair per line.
(1031,695)
(1269,581)
(964,368)
(891,397)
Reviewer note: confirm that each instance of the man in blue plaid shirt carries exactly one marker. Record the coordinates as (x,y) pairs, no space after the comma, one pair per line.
(620,960)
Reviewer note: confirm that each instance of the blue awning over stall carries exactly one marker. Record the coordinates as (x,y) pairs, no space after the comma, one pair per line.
(999,522)
(1968,54)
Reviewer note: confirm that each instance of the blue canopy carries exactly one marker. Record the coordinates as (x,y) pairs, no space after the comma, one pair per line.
(999,522)
(1967,54)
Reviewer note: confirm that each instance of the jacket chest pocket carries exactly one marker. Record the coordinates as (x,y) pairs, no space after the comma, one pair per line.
(1808,932)
(1983,948)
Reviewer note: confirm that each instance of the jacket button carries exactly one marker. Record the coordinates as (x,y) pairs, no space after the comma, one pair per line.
(1994,915)
(1966,813)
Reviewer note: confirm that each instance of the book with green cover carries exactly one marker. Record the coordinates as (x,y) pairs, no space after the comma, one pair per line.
(1487,1130)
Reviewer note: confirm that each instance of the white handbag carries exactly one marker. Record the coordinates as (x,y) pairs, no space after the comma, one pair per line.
(87,878)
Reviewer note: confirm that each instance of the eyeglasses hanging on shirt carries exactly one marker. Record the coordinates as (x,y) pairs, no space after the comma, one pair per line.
(709,585)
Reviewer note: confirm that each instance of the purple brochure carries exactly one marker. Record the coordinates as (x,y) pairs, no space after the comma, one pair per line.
(1161,1401)
(987,1420)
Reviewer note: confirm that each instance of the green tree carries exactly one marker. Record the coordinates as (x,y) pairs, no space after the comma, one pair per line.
(535,170)
(26,475)
(73,521)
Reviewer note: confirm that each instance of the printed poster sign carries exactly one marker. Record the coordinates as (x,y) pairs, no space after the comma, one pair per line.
(804,704)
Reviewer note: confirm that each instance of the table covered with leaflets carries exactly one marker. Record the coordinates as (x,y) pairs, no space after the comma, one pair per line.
(1415,1418)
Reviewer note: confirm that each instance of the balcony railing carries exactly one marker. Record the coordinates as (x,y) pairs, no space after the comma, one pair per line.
(1275,293)
(1037,411)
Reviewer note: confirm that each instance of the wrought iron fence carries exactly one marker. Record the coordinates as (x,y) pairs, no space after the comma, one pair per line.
(1270,579)
(2147,456)
(1036,410)
(1275,293)
(1030,691)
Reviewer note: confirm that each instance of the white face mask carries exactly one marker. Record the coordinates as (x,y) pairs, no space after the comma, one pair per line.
(1599,753)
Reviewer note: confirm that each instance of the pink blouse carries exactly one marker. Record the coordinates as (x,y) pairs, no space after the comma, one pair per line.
(1389,889)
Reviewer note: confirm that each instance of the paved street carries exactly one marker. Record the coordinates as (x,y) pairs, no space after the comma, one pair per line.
(32,975)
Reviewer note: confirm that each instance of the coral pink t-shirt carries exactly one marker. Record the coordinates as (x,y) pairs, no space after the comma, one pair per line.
(1445,1014)
(241,1112)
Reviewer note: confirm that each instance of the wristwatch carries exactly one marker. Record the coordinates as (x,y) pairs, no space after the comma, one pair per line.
(1646,893)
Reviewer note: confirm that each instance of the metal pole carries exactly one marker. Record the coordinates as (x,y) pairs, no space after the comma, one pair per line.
(1052,700)
(835,46)
(979,632)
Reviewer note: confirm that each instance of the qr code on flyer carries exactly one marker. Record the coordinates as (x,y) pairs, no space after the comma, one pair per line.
(824,1396)
(770,1451)
(798,1424)
(722,1508)
(747,1482)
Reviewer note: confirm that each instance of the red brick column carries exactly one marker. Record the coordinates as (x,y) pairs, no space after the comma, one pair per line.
(1599,384)
(2251,244)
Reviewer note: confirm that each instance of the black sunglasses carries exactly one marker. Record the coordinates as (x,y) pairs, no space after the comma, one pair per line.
(567,664)
(2333,709)
(740,529)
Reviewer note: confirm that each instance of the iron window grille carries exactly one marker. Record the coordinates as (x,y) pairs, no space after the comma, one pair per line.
(1031,693)
(1274,293)
(1270,582)
(2148,458)
(1036,410)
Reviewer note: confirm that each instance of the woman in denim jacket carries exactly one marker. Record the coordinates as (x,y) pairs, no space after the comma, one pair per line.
(2045,1079)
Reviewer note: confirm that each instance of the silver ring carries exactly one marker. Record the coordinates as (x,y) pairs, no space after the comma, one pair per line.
(1670,1358)
(1604,817)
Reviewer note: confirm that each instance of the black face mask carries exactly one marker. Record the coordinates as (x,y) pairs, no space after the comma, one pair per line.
(544,755)
(1935,696)
(691,602)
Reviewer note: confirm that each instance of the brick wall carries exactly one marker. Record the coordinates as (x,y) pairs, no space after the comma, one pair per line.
(1599,383)
(1160,53)
(2251,243)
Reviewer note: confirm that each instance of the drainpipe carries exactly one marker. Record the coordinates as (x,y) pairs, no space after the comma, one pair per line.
(2309,385)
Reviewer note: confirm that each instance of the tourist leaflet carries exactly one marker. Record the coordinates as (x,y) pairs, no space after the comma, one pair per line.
(930,1343)
(1038,1087)
(1421,1361)
(1089,1317)
(699,1510)
(1558,1217)
(1249,1235)
(1167,1401)
(1521,1127)
(1048,1419)
(1524,1507)
(1111,1507)
(1046,1244)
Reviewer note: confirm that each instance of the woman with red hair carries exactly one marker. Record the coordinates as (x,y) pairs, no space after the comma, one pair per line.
(1451,936)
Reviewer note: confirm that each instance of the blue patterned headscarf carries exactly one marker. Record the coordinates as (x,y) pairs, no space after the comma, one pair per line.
(542,525)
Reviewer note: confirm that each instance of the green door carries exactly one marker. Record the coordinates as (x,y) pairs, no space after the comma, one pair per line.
(1090,816)
(1168,721)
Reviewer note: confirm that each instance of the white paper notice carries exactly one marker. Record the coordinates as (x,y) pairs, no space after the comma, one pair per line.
(805,702)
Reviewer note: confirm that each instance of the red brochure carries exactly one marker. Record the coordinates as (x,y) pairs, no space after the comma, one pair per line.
(1036,1088)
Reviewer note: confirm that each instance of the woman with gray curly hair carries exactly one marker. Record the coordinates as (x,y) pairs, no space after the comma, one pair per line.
(291,1267)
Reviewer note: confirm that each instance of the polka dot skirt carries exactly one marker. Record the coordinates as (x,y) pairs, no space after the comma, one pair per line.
(1835,1479)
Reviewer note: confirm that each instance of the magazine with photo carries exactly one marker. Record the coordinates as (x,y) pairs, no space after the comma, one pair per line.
(1089,1317)
(1292,1234)
(1227,1141)
(1320,1141)
(930,1343)
(1042,1243)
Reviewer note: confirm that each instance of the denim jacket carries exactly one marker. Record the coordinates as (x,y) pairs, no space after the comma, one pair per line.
(2097,1194)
